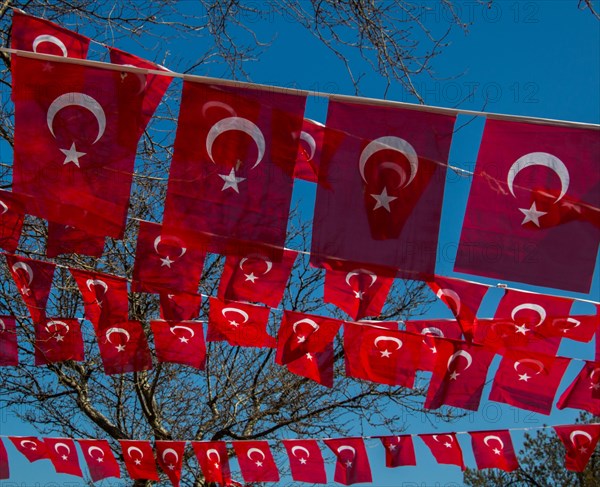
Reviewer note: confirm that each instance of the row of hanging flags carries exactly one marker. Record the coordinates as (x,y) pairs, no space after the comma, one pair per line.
(491,449)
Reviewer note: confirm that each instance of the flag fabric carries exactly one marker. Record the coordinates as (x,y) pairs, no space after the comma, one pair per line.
(214,460)
(34,280)
(352,465)
(169,455)
(316,366)
(12,210)
(9,350)
(124,348)
(255,277)
(231,176)
(31,447)
(180,307)
(179,342)
(164,262)
(306,461)
(584,391)
(65,239)
(242,325)
(256,461)
(580,328)
(138,456)
(494,449)
(528,380)
(513,230)
(310,146)
(445,448)
(580,441)
(100,459)
(63,455)
(437,338)
(381,187)
(58,340)
(4,468)
(399,451)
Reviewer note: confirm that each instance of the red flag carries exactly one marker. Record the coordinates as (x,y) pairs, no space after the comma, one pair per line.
(138,456)
(12,212)
(381,355)
(65,239)
(214,461)
(76,135)
(310,146)
(255,277)
(165,262)
(317,366)
(584,391)
(58,340)
(580,328)
(34,280)
(180,307)
(528,380)
(445,448)
(42,36)
(9,350)
(179,342)
(494,449)
(124,348)
(399,451)
(4,469)
(352,464)
(232,172)
(256,461)
(306,461)
(238,324)
(301,333)
(439,328)
(31,447)
(100,459)
(63,455)
(437,337)
(459,380)
(580,441)
(170,458)
(508,232)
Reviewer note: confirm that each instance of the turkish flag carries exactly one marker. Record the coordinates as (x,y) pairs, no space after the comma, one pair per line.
(65,239)
(138,456)
(58,340)
(352,465)
(9,350)
(124,348)
(399,451)
(242,325)
(506,233)
(580,441)
(381,355)
(450,329)
(105,297)
(459,380)
(170,458)
(34,280)
(317,366)
(180,307)
(309,151)
(494,449)
(231,176)
(76,135)
(31,447)
(165,263)
(306,461)
(528,380)
(179,342)
(100,459)
(381,187)
(301,333)
(584,391)
(4,468)
(63,455)
(445,448)
(255,277)
(12,211)
(437,338)
(44,37)
(580,328)
(256,461)
(214,460)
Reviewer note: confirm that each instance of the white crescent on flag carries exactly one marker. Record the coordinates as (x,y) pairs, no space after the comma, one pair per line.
(52,40)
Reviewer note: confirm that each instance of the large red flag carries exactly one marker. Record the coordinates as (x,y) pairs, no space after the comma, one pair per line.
(317,366)
(100,459)
(12,211)
(528,380)
(165,263)
(511,229)
(584,391)
(381,186)
(124,348)
(179,342)
(214,460)
(180,307)
(9,350)
(309,150)
(255,277)
(34,280)
(58,340)
(352,465)
(445,448)
(232,172)
(138,456)
(31,447)
(306,461)
(494,449)
(399,451)
(4,468)
(256,461)
(580,441)
(170,458)
(63,455)
(65,239)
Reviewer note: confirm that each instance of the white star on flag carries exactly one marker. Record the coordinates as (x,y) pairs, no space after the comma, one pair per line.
(72,155)
(521,329)
(532,215)
(383,200)
(166,262)
(251,277)
(231,181)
